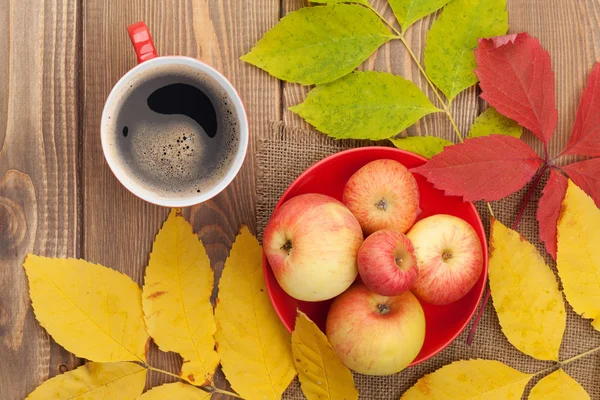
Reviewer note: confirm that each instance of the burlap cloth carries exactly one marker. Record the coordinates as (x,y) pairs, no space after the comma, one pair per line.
(285,152)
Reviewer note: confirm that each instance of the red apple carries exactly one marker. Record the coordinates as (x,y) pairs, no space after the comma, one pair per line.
(383,194)
(374,334)
(450,258)
(387,263)
(311,243)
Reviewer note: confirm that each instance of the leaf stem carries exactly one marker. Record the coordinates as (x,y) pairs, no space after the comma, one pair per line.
(151,368)
(479,315)
(553,367)
(206,388)
(421,69)
(536,181)
(213,389)
(429,82)
(561,364)
(445,106)
(446,109)
(489,206)
(577,357)
(553,159)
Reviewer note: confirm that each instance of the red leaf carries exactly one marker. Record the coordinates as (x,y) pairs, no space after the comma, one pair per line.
(488,168)
(586,175)
(585,138)
(502,40)
(516,78)
(549,208)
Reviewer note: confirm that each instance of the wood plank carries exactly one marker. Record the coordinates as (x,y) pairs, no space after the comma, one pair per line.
(38,134)
(119,228)
(292,93)
(39,203)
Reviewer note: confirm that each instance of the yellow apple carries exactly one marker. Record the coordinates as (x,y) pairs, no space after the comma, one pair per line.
(311,243)
(374,334)
(449,256)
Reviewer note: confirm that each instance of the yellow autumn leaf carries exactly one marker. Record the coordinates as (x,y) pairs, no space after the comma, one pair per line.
(176,299)
(473,379)
(175,391)
(578,255)
(558,386)
(525,292)
(102,381)
(254,346)
(92,311)
(322,374)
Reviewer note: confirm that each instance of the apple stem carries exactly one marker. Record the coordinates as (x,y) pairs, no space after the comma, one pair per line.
(383,309)
(287,246)
(446,255)
(381,204)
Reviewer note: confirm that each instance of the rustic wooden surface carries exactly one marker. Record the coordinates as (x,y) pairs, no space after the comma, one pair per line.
(59,61)
(40,202)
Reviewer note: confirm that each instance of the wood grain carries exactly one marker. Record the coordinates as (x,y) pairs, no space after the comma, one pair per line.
(39,204)
(570,31)
(292,93)
(119,228)
(49,208)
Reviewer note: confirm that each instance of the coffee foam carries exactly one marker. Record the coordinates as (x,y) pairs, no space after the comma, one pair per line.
(171,155)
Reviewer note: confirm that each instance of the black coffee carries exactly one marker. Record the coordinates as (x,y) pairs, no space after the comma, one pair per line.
(175,131)
(188,100)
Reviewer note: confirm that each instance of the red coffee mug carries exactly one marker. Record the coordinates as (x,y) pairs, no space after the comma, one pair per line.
(149,61)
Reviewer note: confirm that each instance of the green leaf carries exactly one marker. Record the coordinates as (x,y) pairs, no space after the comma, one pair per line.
(365,105)
(365,2)
(449,57)
(426,146)
(408,12)
(491,122)
(319,44)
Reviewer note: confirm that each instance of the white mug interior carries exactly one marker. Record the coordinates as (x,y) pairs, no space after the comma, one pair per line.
(178,199)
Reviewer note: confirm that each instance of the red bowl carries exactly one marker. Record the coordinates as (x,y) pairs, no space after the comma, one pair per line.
(329,176)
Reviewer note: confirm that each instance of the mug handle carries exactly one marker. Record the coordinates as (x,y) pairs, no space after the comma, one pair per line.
(142,41)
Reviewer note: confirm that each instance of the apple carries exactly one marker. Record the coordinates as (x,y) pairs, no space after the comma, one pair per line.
(311,242)
(383,194)
(374,334)
(387,263)
(449,256)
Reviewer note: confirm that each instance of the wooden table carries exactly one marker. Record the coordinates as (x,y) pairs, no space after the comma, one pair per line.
(59,60)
